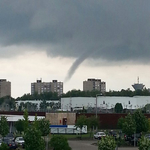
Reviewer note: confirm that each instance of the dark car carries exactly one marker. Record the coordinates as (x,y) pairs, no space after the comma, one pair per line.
(11,144)
(9,136)
(127,137)
(133,139)
(113,133)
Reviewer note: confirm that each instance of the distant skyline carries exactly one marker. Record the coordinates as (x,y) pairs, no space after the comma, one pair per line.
(71,41)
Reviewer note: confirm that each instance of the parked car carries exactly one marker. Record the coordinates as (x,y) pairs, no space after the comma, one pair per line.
(19,141)
(113,133)
(133,139)
(127,137)
(11,144)
(9,136)
(147,136)
(1,142)
(99,135)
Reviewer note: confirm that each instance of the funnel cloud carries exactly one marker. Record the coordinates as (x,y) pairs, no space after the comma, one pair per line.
(69,28)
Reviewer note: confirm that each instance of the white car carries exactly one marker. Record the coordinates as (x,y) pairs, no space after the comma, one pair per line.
(0,142)
(19,140)
(99,135)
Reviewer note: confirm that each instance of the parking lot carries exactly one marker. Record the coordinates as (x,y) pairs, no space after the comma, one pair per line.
(88,145)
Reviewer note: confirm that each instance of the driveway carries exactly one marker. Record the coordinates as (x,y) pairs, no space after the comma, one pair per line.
(82,145)
(87,145)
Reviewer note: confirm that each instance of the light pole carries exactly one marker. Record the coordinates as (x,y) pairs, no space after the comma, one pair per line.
(96,102)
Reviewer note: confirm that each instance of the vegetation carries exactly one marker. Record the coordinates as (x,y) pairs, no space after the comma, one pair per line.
(144,144)
(120,123)
(36,96)
(44,126)
(142,123)
(33,139)
(33,132)
(19,125)
(59,142)
(7,103)
(4,147)
(107,143)
(136,122)
(118,108)
(129,125)
(93,123)
(4,127)
(79,93)
(81,121)
(25,121)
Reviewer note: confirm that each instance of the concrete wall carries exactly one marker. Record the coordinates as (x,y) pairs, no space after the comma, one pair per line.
(57,118)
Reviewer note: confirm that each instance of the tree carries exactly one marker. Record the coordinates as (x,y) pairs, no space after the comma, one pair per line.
(93,122)
(43,105)
(32,134)
(19,125)
(59,142)
(33,139)
(44,126)
(81,121)
(4,127)
(25,121)
(129,126)
(120,123)
(141,122)
(118,108)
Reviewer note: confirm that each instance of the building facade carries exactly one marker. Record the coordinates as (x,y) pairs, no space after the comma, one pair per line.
(43,87)
(5,88)
(94,84)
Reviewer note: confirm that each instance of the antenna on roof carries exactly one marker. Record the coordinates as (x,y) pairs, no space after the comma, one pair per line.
(138,80)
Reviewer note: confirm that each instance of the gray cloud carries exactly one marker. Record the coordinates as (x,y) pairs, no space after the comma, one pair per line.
(74,27)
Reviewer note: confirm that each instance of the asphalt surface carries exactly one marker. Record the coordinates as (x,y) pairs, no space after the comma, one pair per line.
(88,145)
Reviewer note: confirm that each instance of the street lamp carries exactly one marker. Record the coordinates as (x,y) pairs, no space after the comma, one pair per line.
(96,102)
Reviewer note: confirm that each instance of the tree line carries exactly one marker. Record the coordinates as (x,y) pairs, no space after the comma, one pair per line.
(79,93)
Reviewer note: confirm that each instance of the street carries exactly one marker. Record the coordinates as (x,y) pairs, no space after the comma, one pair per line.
(87,145)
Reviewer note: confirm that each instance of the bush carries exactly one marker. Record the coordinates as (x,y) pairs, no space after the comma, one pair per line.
(59,143)
(121,142)
(107,143)
(4,147)
(144,144)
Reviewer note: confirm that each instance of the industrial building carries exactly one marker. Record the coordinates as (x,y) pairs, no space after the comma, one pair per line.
(104,102)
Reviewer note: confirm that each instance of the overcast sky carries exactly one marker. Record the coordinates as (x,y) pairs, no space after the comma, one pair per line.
(73,40)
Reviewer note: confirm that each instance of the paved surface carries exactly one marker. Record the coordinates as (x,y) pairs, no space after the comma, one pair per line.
(82,145)
(87,145)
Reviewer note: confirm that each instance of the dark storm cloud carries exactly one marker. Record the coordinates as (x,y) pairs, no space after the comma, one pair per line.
(114,30)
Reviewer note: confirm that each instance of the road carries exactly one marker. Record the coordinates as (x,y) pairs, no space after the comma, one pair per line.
(87,145)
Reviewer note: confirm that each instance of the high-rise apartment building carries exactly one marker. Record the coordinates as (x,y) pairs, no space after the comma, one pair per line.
(42,87)
(5,88)
(94,84)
